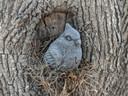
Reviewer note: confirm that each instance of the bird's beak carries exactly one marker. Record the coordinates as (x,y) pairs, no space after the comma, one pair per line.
(78,42)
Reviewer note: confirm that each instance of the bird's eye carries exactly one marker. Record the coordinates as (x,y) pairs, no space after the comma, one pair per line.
(68,38)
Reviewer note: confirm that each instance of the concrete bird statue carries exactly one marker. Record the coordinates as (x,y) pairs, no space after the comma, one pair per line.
(65,51)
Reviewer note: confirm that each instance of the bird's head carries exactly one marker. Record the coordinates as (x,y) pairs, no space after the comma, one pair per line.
(71,37)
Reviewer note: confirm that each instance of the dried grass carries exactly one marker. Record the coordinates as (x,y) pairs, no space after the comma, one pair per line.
(68,83)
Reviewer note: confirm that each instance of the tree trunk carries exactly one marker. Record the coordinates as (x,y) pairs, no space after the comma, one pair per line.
(104,41)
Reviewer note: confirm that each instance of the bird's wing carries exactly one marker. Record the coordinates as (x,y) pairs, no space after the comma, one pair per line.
(48,58)
(56,53)
(53,56)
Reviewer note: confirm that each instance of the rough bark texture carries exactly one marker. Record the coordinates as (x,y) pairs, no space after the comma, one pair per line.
(104,42)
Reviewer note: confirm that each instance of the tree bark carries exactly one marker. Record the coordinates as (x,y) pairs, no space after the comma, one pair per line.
(104,41)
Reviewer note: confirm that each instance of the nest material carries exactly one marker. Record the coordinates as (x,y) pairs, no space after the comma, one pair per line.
(57,83)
